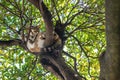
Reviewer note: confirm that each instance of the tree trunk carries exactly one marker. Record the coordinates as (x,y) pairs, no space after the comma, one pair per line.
(110,60)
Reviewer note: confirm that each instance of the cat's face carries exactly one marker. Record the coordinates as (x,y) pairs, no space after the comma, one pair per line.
(37,44)
(33,33)
(36,40)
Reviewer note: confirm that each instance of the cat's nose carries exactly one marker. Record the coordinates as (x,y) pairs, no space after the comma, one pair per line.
(32,36)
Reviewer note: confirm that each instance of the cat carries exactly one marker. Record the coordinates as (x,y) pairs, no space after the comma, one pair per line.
(35,41)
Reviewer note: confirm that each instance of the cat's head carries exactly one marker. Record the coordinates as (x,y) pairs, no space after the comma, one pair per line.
(33,32)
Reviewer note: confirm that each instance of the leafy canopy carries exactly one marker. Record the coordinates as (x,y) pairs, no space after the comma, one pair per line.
(85,37)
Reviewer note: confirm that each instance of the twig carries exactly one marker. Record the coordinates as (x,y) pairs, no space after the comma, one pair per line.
(79,43)
(12,4)
(17,6)
(75,63)
(8,9)
(72,17)
(80,26)
(54,4)
(15,31)
(34,65)
(72,10)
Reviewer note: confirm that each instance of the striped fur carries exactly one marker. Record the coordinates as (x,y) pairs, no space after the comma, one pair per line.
(35,42)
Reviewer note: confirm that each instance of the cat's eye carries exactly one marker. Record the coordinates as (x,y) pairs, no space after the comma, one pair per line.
(43,37)
(55,34)
(32,36)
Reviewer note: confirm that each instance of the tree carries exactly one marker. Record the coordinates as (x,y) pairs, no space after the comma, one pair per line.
(110,59)
(74,20)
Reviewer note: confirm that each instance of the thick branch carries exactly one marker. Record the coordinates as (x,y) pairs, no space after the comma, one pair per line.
(58,67)
(10,42)
(14,42)
(47,17)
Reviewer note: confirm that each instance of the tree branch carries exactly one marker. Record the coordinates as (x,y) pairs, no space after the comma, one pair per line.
(56,10)
(47,17)
(9,10)
(72,9)
(10,42)
(14,42)
(87,56)
(58,67)
(75,63)
(35,3)
(69,20)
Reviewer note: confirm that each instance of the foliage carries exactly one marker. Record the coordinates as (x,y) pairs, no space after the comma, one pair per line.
(85,37)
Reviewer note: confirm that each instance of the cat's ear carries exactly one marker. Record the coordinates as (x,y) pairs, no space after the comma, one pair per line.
(38,26)
(27,29)
(55,36)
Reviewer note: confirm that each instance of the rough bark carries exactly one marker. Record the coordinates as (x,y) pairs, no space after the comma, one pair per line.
(110,60)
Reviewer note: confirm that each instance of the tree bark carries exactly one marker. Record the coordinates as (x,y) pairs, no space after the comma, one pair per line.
(110,60)
(58,67)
